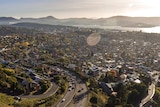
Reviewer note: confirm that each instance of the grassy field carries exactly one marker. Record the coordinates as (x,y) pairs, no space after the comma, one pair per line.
(26,103)
(6,101)
(102,98)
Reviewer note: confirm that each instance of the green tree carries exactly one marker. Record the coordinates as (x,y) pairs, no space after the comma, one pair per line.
(142,89)
(128,105)
(9,71)
(111,101)
(93,100)
(133,97)
(122,92)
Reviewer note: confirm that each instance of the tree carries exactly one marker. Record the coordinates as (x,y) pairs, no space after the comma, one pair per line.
(93,100)
(102,78)
(128,105)
(111,101)
(121,92)
(93,83)
(110,77)
(133,97)
(9,71)
(142,89)
(44,86)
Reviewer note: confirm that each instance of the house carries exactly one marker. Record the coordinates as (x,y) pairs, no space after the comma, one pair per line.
(137,81)
(29,71)
(107,87)
(29,85)
(3,61)
(123,77)
(55,71)
(72,66)
(94,71)
(37,79)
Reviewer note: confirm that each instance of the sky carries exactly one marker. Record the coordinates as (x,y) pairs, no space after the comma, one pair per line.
(79,8)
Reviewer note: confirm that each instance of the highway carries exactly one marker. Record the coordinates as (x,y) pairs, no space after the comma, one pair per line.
(68,97)
(80,99)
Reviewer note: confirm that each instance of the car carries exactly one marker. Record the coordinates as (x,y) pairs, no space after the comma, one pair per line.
(63,100)
(69,89)
(70,85)
(79,91)
(17,98)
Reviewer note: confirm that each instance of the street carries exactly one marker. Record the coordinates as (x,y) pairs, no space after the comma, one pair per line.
(50,92)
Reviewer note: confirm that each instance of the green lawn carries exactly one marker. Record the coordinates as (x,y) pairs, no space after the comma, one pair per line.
(6,101)
(101,99)
(26,103)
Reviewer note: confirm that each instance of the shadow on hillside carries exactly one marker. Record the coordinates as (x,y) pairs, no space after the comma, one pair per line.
(10,92)
(80,97)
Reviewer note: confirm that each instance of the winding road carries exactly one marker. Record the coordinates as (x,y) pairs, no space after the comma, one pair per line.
(151,89)
(52,90)
(151,92)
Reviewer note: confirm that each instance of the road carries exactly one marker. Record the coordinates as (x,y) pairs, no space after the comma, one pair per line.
(80,99)
(27,52)
(52,90)
(151,92)
(4,49)
(68,97)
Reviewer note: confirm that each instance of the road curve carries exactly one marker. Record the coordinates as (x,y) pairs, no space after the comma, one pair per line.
(151,89)
(52,90)
(151,92)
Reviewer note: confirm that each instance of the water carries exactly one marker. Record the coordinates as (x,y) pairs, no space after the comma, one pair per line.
(151,30)
(147,30)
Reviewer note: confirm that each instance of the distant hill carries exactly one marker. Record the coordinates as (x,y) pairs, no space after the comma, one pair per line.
(36,25)
(7,20)
(123,21)
(42,27)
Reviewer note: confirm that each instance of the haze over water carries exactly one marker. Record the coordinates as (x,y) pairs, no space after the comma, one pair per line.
(147,30)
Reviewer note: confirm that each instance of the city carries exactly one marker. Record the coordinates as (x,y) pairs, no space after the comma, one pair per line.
(65,68)
(79,53)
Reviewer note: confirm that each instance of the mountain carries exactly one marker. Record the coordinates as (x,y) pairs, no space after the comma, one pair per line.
(7,20)
(36,25)
(123,21)
(44,20)
(126,21)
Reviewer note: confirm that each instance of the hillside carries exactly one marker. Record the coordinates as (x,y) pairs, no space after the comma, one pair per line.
(123,21)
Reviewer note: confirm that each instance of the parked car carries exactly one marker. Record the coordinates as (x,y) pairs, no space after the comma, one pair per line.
(17,98)
(69,89)
(63,100)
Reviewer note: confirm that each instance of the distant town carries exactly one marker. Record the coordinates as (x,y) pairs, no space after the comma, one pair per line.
(66,66)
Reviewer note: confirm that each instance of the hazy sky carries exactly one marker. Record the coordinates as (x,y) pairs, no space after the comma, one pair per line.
(79,8)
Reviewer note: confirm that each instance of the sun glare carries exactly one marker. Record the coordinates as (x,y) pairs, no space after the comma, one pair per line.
(143,8)
(152,6)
